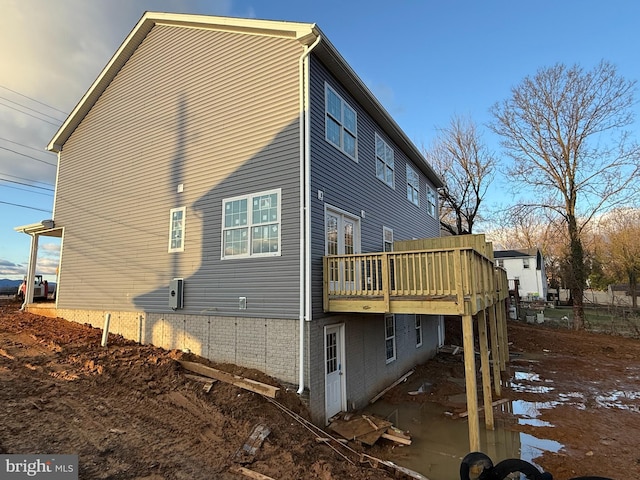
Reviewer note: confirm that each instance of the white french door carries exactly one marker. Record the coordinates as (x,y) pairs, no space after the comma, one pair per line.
(342,238)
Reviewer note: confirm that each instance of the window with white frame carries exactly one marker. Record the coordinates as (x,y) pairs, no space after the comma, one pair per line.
(385,168)
(413,186)
(390,337)
(499,262)
(525,263)
(340,123)
(418,330)
(176,229)
(251,225)
(387,239)
(431,201)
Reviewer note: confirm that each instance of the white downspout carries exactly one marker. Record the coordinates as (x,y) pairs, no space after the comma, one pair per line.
(305,200)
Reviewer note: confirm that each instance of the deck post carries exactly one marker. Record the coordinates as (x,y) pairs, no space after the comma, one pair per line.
(386,281)
(470,382)
(496,350)
(325,284)
(504,340)
(486,369)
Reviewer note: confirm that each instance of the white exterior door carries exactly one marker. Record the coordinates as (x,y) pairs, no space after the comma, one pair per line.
(335,398)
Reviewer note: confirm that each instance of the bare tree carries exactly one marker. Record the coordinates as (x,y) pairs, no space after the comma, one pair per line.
(565,130)
(619,252)
(467,167)
(516,228)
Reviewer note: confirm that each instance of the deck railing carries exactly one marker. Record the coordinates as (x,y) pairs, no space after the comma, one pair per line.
(443,281)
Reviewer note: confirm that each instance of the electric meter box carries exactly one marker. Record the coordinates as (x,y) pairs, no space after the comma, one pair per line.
(176,293)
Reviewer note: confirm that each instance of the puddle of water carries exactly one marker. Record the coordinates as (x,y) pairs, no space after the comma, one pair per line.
(528,412)
(439,443)
(529,382)
(617,398)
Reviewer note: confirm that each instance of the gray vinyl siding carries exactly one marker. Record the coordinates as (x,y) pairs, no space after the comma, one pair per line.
(365,367)
(214,111)
(353,186)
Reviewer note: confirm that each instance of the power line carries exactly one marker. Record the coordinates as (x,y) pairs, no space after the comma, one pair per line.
(28,156)
(26,190)
(25,206)
(33,99)
(26,184)
(25,113)
(27,179)
(29,108)
(41,150)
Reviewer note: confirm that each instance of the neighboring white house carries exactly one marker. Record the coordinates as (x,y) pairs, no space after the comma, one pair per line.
(526,266)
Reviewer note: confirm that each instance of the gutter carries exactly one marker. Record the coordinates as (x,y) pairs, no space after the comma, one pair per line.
(305,202)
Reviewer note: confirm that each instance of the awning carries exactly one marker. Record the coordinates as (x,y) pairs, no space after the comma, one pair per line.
(44,227)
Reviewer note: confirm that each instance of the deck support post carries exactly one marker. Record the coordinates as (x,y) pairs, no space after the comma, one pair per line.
(496,350)
(486,369)
(504,341)
(470,382)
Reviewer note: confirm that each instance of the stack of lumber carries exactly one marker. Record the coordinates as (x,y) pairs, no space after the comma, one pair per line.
(368,429)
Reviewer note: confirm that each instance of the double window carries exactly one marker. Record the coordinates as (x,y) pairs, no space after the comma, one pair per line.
(251,225)
(340,123)
(385,168)
(176,229)
(413,186)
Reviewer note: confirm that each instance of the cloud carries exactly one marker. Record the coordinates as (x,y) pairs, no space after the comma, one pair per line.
(8,268)
(52,52)
(50,248)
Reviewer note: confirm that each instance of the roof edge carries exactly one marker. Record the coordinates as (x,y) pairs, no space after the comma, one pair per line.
(305,33)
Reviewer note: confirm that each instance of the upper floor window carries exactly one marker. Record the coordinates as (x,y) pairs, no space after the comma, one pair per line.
(500,262)
(413,186)
(431,201)
(251,225)
(384,162)
(340,123)
(176,229)
(525,263)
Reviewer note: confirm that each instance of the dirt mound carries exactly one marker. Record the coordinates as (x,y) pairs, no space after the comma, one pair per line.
(129,411)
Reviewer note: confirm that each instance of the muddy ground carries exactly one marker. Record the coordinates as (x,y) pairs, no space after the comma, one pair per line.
(130,413)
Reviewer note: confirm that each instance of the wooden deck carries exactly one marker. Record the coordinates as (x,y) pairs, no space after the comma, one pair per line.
(459,280)
(434,276)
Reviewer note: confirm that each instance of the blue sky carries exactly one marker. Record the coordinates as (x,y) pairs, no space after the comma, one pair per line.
(424,60)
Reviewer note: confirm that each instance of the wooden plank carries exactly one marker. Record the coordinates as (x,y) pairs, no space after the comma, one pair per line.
(200,378)
(470,381)
(495,350)
(247,452)
(362,428)
(249,473)
(397,439)
(486,369)
(400,380)
(380,427)
(241,382)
